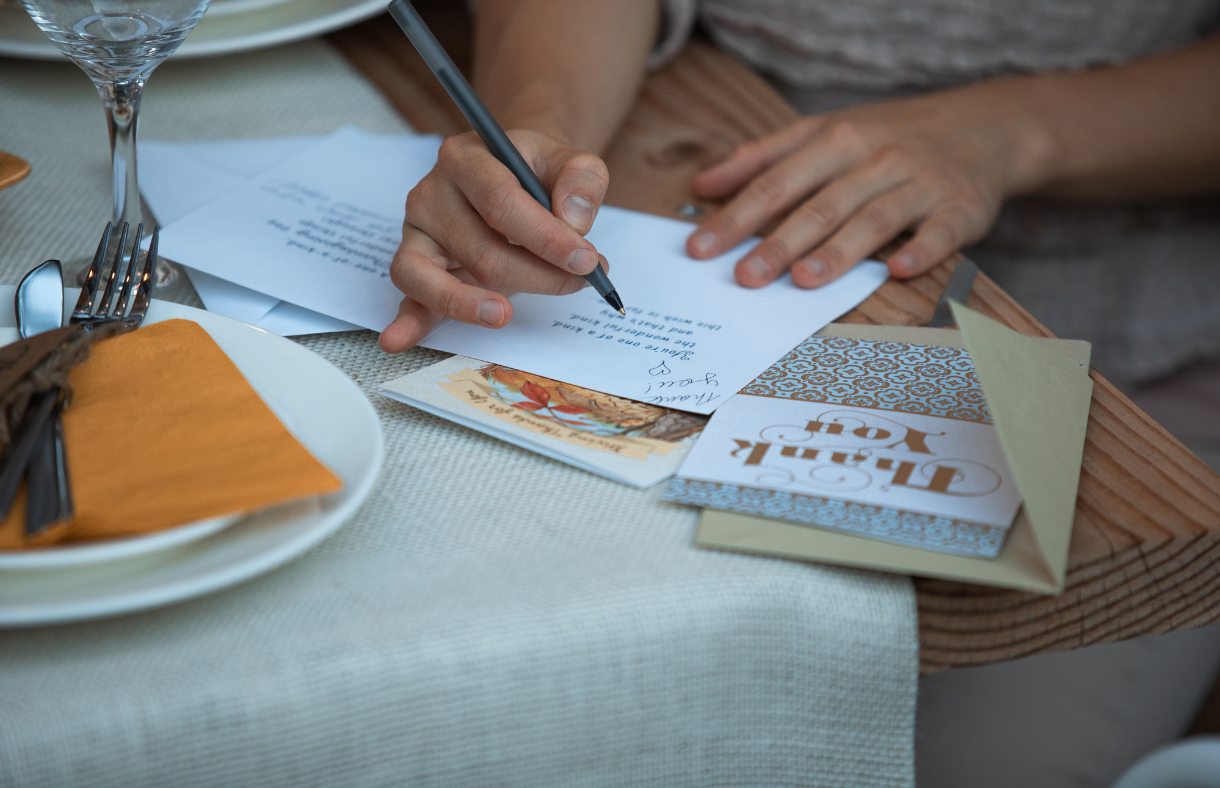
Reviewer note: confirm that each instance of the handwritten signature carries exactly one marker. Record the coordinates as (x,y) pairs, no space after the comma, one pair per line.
(695,399)
(662,370)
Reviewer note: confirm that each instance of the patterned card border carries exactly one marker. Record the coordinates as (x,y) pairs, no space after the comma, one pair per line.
(862,373)
(914,529)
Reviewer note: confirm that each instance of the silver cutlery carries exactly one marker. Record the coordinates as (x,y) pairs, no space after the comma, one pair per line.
(959,287)
(40,307)
(38,443)
(128,290)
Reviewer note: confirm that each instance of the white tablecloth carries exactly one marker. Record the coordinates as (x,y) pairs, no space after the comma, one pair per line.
(489,617)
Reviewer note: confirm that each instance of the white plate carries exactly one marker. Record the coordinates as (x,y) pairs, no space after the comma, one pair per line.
(250,24)
(322,407)
(96,552)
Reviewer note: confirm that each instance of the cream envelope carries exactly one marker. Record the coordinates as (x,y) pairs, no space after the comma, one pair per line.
(1038,391)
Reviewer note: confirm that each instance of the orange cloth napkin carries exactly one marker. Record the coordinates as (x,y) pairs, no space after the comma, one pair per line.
(163,431)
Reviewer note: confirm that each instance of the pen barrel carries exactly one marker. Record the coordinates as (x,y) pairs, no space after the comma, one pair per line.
(471,106)
(601,283)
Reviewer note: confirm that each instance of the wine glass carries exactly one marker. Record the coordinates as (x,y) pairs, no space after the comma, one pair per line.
(118,43)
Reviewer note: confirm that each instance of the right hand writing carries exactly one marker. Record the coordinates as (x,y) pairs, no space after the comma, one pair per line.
(473,235)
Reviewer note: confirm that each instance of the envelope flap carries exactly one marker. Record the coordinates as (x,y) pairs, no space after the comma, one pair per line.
(1039,399)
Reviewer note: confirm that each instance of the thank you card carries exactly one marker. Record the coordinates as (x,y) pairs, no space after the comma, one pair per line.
(889,440)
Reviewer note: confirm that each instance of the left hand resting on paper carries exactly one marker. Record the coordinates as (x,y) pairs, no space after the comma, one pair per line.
(938,165)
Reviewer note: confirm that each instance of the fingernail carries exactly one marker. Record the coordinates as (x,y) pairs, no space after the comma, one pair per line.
(815,266)
(905,261)
(582,261)
(704,243)
(757,267)
(578,212)
(491,313)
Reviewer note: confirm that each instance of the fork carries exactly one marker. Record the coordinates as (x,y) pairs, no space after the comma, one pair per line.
(91,312)
(40,445)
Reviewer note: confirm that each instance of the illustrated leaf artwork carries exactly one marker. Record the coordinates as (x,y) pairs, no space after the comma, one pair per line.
(617,415)
(536,393)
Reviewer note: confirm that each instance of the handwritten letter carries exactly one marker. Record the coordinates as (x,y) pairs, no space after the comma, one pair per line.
(691,337)
(318,230)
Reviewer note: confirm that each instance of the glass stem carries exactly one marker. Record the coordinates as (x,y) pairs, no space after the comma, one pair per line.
(122,102)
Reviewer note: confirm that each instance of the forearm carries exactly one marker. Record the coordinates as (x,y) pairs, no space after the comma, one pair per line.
(568,68)
(1146,130)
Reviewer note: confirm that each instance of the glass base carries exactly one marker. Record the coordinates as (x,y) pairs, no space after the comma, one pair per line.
(166,273)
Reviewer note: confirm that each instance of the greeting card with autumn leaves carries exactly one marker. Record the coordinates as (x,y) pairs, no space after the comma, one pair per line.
(631,442)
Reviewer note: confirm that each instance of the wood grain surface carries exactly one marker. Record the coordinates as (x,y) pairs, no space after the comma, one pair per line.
(1145,550)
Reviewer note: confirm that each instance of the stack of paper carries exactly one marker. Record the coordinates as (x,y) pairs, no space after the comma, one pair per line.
(293,235)
(297,236)
(1037,391)
(300,233)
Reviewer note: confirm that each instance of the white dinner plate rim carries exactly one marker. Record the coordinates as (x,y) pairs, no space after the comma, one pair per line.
(85,553)
(274,24)
(343,505)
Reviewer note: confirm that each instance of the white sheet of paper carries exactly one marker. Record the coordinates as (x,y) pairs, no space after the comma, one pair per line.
(318,230)
(290,320)
(258,309)
(230,300)
(692,336)
(177,178)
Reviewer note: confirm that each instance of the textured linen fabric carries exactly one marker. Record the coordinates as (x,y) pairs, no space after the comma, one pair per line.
(488,617)
(1142,283)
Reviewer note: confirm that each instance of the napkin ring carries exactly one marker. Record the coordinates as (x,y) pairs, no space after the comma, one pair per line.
(41,363)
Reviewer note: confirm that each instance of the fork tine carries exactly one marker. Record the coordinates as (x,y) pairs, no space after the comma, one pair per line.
(88,291)
(130,274)
(146,283)
(107,302)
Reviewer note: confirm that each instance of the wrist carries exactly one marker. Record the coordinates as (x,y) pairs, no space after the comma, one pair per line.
(1022,106)
(540,107)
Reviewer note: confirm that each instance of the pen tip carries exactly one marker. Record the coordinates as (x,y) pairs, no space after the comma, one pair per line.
(615,302)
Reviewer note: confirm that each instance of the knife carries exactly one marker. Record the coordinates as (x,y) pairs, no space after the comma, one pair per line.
(40,307)
(958,289)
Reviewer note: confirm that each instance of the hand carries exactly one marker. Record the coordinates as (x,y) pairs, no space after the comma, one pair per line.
(472,234)
(938,165)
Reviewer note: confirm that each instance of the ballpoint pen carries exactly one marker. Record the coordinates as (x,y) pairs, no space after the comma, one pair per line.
(484,124)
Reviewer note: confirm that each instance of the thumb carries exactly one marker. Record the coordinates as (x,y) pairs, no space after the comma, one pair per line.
(578,189)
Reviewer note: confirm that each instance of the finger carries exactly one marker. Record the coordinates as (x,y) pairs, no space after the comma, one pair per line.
(939,236)
(493,191)
(426,281)
(580,184)
(813,222)
(873,226)
(751,158)
(444,215)
(425,274)
(770,194)
(411,325)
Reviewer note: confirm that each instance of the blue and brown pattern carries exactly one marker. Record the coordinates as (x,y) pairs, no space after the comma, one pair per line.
(891,525)
(935,381)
